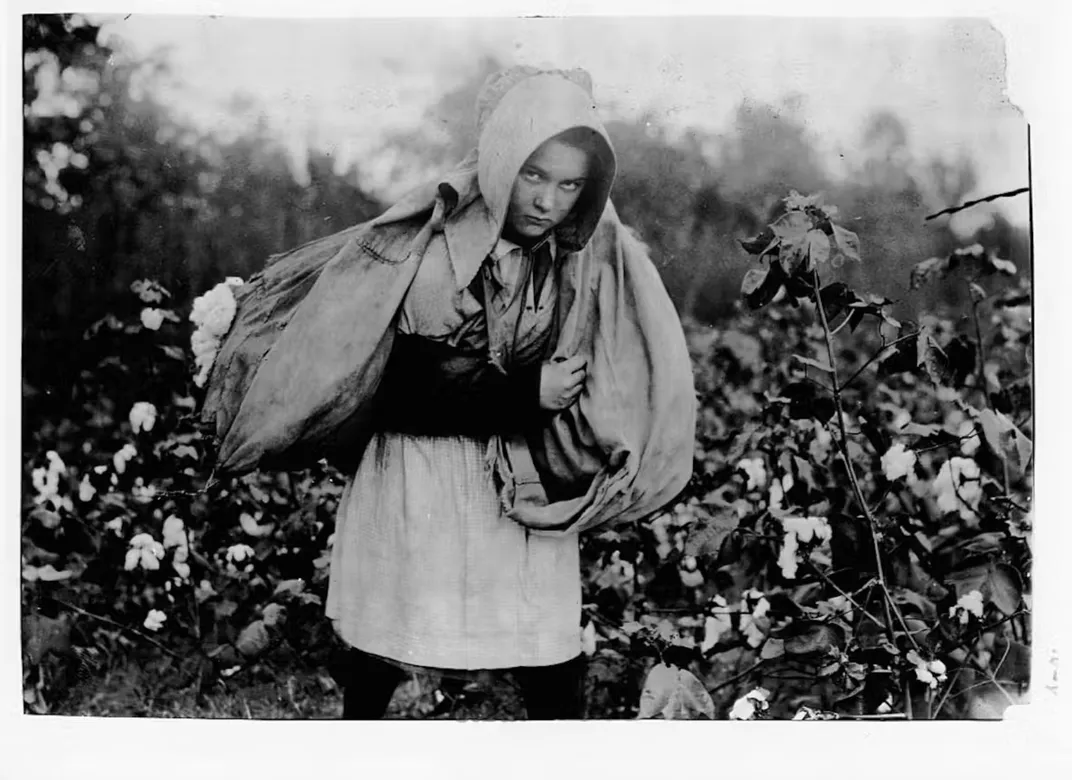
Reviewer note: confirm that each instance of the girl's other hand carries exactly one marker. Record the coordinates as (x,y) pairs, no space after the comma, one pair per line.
(561,382)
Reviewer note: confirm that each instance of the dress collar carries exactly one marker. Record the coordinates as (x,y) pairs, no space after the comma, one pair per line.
(504,247)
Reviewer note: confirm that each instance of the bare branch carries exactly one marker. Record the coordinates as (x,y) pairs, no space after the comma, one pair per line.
(970,203)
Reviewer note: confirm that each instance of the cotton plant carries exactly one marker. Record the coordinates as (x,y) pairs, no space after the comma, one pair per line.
(754,623)
(755,471)
(930,672)
(717,623)
(969,605)
(821,443)
(754,705)
(239,554)
(753,620)
(799,531)
(149,291)
(898,462)
(151,318)
(142,416)
(46,482)
(155,620)
(778,489)
(141,492)
(213,314)
(145,552)
(175,539)
(958,488)
(125,454)
(86,491)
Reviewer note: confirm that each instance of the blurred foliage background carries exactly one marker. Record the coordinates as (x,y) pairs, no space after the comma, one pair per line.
(117,187)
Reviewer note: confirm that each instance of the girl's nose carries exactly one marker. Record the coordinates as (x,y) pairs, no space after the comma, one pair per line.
(544,199)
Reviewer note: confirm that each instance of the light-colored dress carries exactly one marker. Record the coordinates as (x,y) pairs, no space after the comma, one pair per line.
(426,571)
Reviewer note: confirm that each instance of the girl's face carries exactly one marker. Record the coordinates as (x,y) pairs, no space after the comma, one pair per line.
(546,188)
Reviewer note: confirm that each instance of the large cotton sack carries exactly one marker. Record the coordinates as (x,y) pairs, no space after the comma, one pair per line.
(626,447)
(296,375)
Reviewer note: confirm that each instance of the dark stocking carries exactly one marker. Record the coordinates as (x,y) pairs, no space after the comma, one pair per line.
(553,692)
(370,685)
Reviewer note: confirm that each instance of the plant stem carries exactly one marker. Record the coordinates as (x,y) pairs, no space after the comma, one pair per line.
(888,599)
(737,677)
(120,626)
(195,611)
(987,199)
(842,324)
(844,450)
(850,599)
(980,354)
(936,711)
(879,354)
(957,440)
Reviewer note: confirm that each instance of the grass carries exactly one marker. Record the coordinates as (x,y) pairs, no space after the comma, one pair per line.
(272,694)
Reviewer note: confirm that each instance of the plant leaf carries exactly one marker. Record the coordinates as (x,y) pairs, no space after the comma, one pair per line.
(998,583)
(932,358)
(1013,660)
(848,243)
(253,640)
(772,648)
(822,366)
(753,280)
(674,694)
(920,429)
(813,638)
(1006,440)
(42,635)
(928,270)
(1006,267)
(252,527)
(185,451)
(792,231)
(706,538)
(289,587)
(761,244)
(818,247)
(173,352)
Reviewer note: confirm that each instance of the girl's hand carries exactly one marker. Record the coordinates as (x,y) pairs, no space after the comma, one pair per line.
(561,382)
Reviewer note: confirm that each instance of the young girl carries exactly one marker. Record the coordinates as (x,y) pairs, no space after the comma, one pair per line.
(426,571)
(497,363)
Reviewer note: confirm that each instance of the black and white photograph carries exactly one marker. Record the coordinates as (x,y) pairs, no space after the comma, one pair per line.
(529,367)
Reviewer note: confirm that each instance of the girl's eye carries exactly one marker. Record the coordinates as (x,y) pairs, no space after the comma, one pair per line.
(531,175)
(571,186)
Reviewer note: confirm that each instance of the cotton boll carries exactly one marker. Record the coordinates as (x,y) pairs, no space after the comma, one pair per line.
(897,462)
(152,319)
(787,559)
(142,416)
(154,621)
(86,491)
(174,532)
